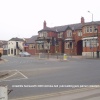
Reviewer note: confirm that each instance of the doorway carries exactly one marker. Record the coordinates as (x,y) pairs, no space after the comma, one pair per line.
(79,47)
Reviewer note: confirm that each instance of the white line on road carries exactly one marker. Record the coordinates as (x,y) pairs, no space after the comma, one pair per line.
(10,76)
(13,79)
(22,74)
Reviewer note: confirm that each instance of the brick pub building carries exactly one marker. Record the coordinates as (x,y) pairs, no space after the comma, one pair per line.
(75,39)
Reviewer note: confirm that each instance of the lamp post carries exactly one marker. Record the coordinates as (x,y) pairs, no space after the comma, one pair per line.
(92,15)
(92,31)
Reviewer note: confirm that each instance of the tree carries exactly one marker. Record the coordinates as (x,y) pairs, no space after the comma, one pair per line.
(0,55)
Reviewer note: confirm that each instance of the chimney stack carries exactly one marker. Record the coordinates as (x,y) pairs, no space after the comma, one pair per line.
(82,20)
(44,24)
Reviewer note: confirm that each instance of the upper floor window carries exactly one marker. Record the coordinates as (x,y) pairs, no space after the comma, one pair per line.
(43,34)
(90,29)
(87,29)
(79,33)
(60,35)
(95,27)
(69,33)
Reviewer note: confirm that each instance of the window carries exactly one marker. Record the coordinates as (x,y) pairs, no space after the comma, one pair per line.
(95,27)
(31,46)
(47,45)
(60,35)
(69,33)
(42,46)
(11,51)
(38,46)
(43,34)
(87,29)
(90,29)
(69,45)
(90,43)
(79,33)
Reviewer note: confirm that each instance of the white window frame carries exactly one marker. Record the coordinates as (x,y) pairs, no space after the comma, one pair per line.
(69,33)
(91,29)
(80,33)
(87,29)
(47,45)
(68,45)
(31,46)
(60,35)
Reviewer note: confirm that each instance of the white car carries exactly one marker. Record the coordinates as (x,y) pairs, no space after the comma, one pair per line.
(24,54)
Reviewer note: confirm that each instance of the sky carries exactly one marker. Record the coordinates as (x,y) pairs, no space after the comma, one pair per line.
(24,18)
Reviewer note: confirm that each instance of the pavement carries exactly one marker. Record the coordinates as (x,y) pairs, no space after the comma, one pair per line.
(77,94)
(93,94)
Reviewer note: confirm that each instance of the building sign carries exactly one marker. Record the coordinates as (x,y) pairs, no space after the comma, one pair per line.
(25,45)
(39,41)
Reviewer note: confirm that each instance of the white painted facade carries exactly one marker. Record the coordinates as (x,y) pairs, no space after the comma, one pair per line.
(12,48)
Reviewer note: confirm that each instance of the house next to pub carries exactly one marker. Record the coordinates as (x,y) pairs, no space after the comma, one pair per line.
(15,46)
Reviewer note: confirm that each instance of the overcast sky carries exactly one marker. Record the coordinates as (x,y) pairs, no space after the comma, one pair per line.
(24,18)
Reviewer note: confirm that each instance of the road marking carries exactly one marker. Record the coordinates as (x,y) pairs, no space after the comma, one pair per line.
(10,76)
(16,72)
(14,79)
(39,97)
(22,74)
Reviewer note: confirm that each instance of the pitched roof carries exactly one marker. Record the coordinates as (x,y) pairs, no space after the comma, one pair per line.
(90,23)
(47,29)
(32,39)
(63,28)
(16,39)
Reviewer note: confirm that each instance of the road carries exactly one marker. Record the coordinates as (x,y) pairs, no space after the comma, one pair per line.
(31,76)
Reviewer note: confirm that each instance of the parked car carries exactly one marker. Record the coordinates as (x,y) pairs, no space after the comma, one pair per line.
(24,54)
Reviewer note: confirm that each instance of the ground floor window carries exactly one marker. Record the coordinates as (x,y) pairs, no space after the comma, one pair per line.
(69,45)
(40,46)
(90,43)
(31,46)
(11,51)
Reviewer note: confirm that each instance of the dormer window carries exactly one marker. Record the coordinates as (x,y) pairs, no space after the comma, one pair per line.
(69,33)
(79,33)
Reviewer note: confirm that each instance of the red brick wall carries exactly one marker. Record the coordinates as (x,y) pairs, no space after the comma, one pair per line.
(52,34)
(31,51)
(52,49)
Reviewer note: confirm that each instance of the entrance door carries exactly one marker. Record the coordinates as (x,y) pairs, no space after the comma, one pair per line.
(79,47)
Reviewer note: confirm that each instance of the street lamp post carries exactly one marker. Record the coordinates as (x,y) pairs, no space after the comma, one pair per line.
(92,15)
(92,31)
